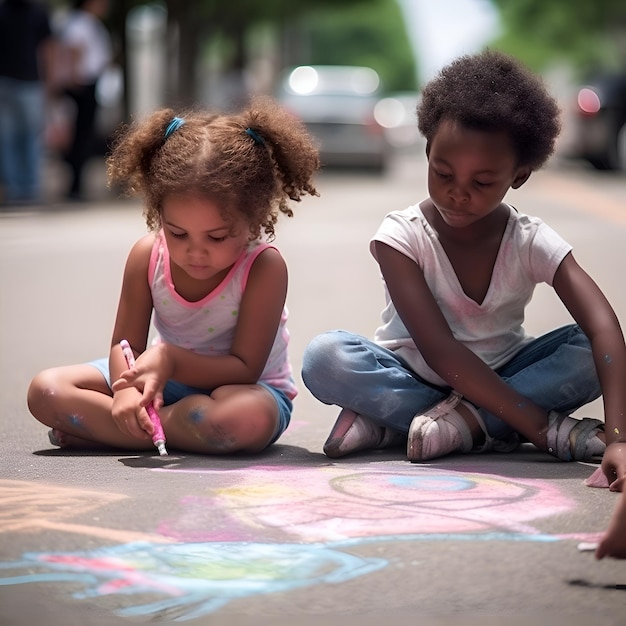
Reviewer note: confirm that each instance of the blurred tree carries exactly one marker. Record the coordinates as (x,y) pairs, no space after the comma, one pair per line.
(372,35)
(587,35)
(191,24)
(368,32)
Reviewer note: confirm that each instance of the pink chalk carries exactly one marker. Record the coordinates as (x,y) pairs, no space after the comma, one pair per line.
(597,479)
(158,439)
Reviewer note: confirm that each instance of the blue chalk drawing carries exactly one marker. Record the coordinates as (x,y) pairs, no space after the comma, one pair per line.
(195,578)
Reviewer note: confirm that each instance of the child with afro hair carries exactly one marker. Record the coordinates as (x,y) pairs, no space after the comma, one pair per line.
(451,369)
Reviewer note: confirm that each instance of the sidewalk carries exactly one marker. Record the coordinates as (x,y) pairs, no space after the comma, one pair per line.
(55,182)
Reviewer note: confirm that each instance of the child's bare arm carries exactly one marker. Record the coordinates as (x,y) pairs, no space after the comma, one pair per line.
(134,309)
(593,313)
(132,323)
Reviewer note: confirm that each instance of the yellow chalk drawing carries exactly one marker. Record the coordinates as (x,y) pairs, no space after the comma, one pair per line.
(33,507)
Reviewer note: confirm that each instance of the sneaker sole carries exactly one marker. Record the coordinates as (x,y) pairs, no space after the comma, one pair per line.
(332,446)
(415,441)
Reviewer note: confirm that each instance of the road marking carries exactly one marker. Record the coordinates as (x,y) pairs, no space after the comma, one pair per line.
(581,196)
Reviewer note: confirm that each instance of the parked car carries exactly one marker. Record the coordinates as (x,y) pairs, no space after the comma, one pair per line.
(337,103)
(599,122)
(397,114)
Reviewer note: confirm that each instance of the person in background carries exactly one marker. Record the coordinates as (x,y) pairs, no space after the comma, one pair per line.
(87,52)
(26,57)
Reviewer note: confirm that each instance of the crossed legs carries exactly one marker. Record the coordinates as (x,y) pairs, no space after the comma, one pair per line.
(76,402)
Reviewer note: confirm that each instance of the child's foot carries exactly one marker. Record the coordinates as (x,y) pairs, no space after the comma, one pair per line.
(453,425)
(65,441)
(353,432)
(430,438)
(56,437)
(572,439)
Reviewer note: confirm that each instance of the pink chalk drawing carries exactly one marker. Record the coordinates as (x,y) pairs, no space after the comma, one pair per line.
(334,503)
(271,529)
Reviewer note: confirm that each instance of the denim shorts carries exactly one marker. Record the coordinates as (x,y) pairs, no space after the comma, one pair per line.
(175,391)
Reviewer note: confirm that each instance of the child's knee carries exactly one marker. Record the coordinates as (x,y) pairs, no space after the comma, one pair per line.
(227,428)
(232,419)
(264,425)
(319,348)
(204,423)
(42,392)
(324,354)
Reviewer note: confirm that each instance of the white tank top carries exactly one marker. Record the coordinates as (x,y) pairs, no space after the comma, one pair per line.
(208,326)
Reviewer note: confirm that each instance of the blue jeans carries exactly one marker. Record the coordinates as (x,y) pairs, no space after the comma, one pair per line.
(556,371)
(21,131)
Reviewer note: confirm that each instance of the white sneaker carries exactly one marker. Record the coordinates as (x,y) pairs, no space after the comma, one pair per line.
(353,432)
(442,430)
(443,433)
(574,439)
(431,438)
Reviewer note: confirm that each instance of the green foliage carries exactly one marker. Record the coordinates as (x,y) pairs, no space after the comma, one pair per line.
(371,34)
(253,11)
(346,32)
(586,34)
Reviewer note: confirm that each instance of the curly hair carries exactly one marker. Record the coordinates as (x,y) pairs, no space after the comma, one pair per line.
(495,92)
(252,162)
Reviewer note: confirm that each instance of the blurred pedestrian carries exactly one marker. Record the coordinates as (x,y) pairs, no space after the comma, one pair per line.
(26,52)
(87,52)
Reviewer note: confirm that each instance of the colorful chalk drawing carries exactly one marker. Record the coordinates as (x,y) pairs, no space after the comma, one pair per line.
(269,529)
(194,579)
(334,503)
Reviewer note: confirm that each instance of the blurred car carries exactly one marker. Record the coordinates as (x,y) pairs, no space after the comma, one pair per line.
(397,114)
(599,123)
(336,103)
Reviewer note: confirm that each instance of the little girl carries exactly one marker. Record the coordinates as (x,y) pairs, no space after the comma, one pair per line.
(218,372)
(451,366)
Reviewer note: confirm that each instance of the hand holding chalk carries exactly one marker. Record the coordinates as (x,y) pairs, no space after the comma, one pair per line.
(159,436)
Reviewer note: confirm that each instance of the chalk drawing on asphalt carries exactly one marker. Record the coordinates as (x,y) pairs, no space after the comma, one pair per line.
(266,530)
(334,503)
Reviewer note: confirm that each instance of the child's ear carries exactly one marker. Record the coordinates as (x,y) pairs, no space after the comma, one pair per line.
(521,176)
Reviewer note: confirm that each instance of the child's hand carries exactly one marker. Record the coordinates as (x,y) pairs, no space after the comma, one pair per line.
(152,369)
(613,543)
(129,416)
(614,465)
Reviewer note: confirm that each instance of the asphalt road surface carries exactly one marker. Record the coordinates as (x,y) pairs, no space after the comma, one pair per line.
(289,536)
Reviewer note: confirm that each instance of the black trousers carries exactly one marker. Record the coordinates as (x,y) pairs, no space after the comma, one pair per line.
(83,143)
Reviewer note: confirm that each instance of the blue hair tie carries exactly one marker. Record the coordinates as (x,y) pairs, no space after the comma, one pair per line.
(173,126)
(257,138)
